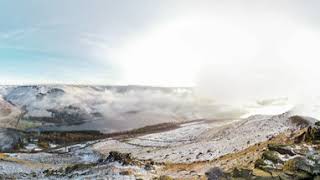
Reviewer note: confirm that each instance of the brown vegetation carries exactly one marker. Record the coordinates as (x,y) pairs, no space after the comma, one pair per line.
(242,159)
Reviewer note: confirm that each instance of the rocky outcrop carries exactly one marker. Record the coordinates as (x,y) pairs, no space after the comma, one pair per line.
(310,135)
(301,121)
(123,158)
(282,149)
(300,160)
(313,135)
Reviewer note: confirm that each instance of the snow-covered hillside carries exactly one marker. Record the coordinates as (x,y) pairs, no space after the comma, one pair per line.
(117,108)
(110,108)
(205,140)
(200,130)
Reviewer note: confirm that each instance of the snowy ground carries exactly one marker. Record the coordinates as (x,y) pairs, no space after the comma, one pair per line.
(195,141)
(202,140)
(37,165)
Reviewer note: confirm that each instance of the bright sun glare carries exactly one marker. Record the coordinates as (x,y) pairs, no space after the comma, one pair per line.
(173,54)
(182,51)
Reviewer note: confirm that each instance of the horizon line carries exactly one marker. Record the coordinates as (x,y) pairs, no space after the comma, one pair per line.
(69,84)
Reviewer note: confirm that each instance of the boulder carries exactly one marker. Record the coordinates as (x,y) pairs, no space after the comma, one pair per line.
(260,173)
(300,121)
(298,164)
(241,173)
(313,135)
(216,174)
(124,158)
(310,135)
(149,167)
(260,163)
(282,149)
(272,156)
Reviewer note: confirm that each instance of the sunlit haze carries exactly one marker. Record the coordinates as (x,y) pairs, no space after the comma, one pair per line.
(229,50)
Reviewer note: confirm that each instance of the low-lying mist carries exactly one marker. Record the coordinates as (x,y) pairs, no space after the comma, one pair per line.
(273,86)
(120,107)
(115,108)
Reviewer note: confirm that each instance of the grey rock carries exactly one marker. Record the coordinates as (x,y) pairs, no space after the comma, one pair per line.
(282,149)
(215,174)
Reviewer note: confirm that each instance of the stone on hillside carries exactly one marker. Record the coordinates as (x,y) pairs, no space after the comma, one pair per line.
(299,121)
(124,158)
(149,167)
(284,176)
(298,164)
(241,173)
(282,149)
(310,135)
(300,137)
(272,156)
(313,135)
(260,173)
(302,175)
(313,157)
(216,174)
(260,163)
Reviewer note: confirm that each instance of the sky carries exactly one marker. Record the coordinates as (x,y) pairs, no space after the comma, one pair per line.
(211,44)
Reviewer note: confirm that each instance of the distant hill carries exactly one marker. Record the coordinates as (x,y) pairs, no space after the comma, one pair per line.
(104,108)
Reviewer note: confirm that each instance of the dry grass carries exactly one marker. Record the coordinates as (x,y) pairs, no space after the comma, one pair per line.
(26,163)
(72,137)
(3,156)
(241,159)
